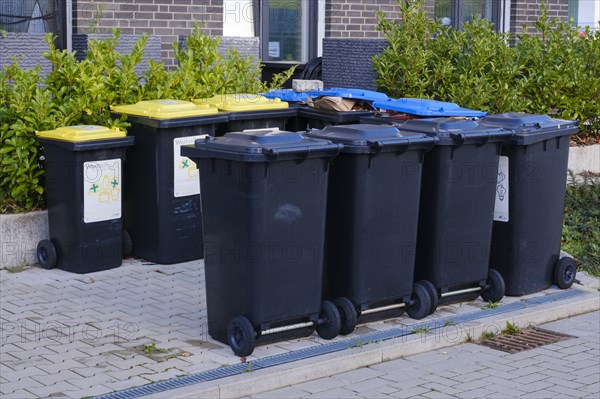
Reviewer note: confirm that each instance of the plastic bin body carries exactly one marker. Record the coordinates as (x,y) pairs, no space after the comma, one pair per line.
(250,111)
(372,211)
(526,247)
(162,216)
(457,202)
(264,234)
(84,246)
(313,118)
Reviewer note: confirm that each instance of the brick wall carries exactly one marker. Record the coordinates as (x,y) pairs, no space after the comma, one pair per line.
(167,19)
(528,11)
(357,18)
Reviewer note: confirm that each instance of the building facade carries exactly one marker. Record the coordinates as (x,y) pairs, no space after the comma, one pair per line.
(288,31)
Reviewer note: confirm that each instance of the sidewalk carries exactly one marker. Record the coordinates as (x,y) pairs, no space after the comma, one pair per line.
(68,335)
(566,369)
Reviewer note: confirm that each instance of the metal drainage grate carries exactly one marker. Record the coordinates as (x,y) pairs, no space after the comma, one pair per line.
(529,338)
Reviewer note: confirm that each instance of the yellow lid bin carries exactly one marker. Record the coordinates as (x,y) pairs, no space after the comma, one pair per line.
(166,109)
(82,133)
(242,102)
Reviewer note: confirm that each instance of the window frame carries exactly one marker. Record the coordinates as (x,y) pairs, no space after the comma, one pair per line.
(262,32)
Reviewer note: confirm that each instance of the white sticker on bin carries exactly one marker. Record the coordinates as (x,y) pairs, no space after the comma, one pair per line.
(102,190)
(186,179)
(501,204)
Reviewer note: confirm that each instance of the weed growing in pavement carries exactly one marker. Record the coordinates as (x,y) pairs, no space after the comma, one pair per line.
(487,335)
(511,329)
(151,348)
(491,305)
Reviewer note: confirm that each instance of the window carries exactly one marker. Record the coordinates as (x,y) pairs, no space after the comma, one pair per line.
(457,12)
(34,16)
(574,11)
(288,31)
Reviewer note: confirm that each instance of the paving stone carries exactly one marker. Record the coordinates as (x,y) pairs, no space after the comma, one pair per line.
(287,392)
(22,383)
(320,385)
(50,390)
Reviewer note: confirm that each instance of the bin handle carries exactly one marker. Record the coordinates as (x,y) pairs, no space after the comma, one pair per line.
(377,145)
(460,137)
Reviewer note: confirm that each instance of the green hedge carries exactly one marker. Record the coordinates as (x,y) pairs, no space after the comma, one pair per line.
(554,71)
(82,92)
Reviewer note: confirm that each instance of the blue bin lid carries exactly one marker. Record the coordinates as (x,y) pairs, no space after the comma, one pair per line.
(287,95)
(532,128)
(452,131)
(358,94)
(261,146)
(366,138)
(425,107)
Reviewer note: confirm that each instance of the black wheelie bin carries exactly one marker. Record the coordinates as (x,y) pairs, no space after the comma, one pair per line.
(250,111)
(162,205)
(264,234)
(457,208)
(530,202)
(372,212)
(315,118)
(84,183)
(403,109)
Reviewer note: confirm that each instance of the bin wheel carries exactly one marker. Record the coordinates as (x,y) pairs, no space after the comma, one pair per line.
(420,302)
(127,243)
(46,254)
(241,336)
(494,287)
(348,315)
(330,321)
(435,299)
(564,272)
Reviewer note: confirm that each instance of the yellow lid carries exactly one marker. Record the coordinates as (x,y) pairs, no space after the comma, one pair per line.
(166,109)
(243,102)
(82,133)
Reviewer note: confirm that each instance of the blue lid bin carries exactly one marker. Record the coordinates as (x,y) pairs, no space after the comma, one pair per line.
(457,207)
(264,236)
(314,118)
(413,108)
(372,211)
(530,198)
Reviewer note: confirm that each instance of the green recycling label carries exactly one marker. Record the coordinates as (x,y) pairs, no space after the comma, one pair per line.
(186,179)
(102,190)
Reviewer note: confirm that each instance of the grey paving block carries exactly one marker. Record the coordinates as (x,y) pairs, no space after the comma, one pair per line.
(126,383)
(129,373)
(50,390)
(536,386)
(320,385)
(22,383)
(437,379)
(287,392)
(357,375)
(411,392)
(447,390)
(20,394)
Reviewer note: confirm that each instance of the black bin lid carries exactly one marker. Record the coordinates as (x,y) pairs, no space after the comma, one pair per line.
(455,131)
(532,128)
(370,138)
(261,146)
